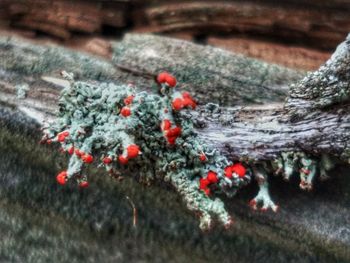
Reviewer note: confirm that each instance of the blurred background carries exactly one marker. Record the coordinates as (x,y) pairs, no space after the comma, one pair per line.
(296,33)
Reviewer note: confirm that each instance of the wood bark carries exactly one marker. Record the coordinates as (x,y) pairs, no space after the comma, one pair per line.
(256,132)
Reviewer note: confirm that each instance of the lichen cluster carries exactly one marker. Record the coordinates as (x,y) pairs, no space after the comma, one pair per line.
(146,135)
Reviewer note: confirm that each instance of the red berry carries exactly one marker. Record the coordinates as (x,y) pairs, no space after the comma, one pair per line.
(128,100)
(228,171)
(170,80)
(61,137)
(202,157)
(125,111)
(87,158)
(61,178)
(161,78)
(71,150)
(171,140)
(186,94)
(177,104)
(239,169)
(79,153)
(212,177)
(174,132)
(189,103)
(133,151)
(84,184)
(166,124)
(122,159)
(107,160)
(203,183)
(188,100)
(49,141)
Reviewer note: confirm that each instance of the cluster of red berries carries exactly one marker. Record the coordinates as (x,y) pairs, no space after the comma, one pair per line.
(171,134)
(85,157)
(212,177)
(62,179)
(185,101)
(61,137)
(126,111)
(202,157)
(132,152)
(165,77)
(236,168)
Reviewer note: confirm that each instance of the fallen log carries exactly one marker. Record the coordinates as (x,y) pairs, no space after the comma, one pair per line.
(13,104)
(231,79)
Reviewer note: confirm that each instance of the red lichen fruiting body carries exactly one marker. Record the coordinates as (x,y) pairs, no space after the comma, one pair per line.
(170,80)
(61,137)
(107,160)
(188,100)
(239,169)
(84,184)
(161,78)
(167,78)
(171,140)
(178,104)
(122,159)
(71,150)
(228,171)
(133,151)
(174,132)
(87,158)
(203,183)
(212,177)
(166,125)
(128,100)
(202,157)
(61,178)
(79,153)
(125,111)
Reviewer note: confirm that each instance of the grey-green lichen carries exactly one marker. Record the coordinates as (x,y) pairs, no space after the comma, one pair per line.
(150,135)
(146,135)
(22,90)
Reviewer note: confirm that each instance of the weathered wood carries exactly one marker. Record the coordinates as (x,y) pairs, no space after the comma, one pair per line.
(293,20)
(229,79)
(130,64)
(263,133)
(315,119)
(282,54)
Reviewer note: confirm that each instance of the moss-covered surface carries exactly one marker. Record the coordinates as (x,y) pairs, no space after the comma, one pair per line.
(40,220)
